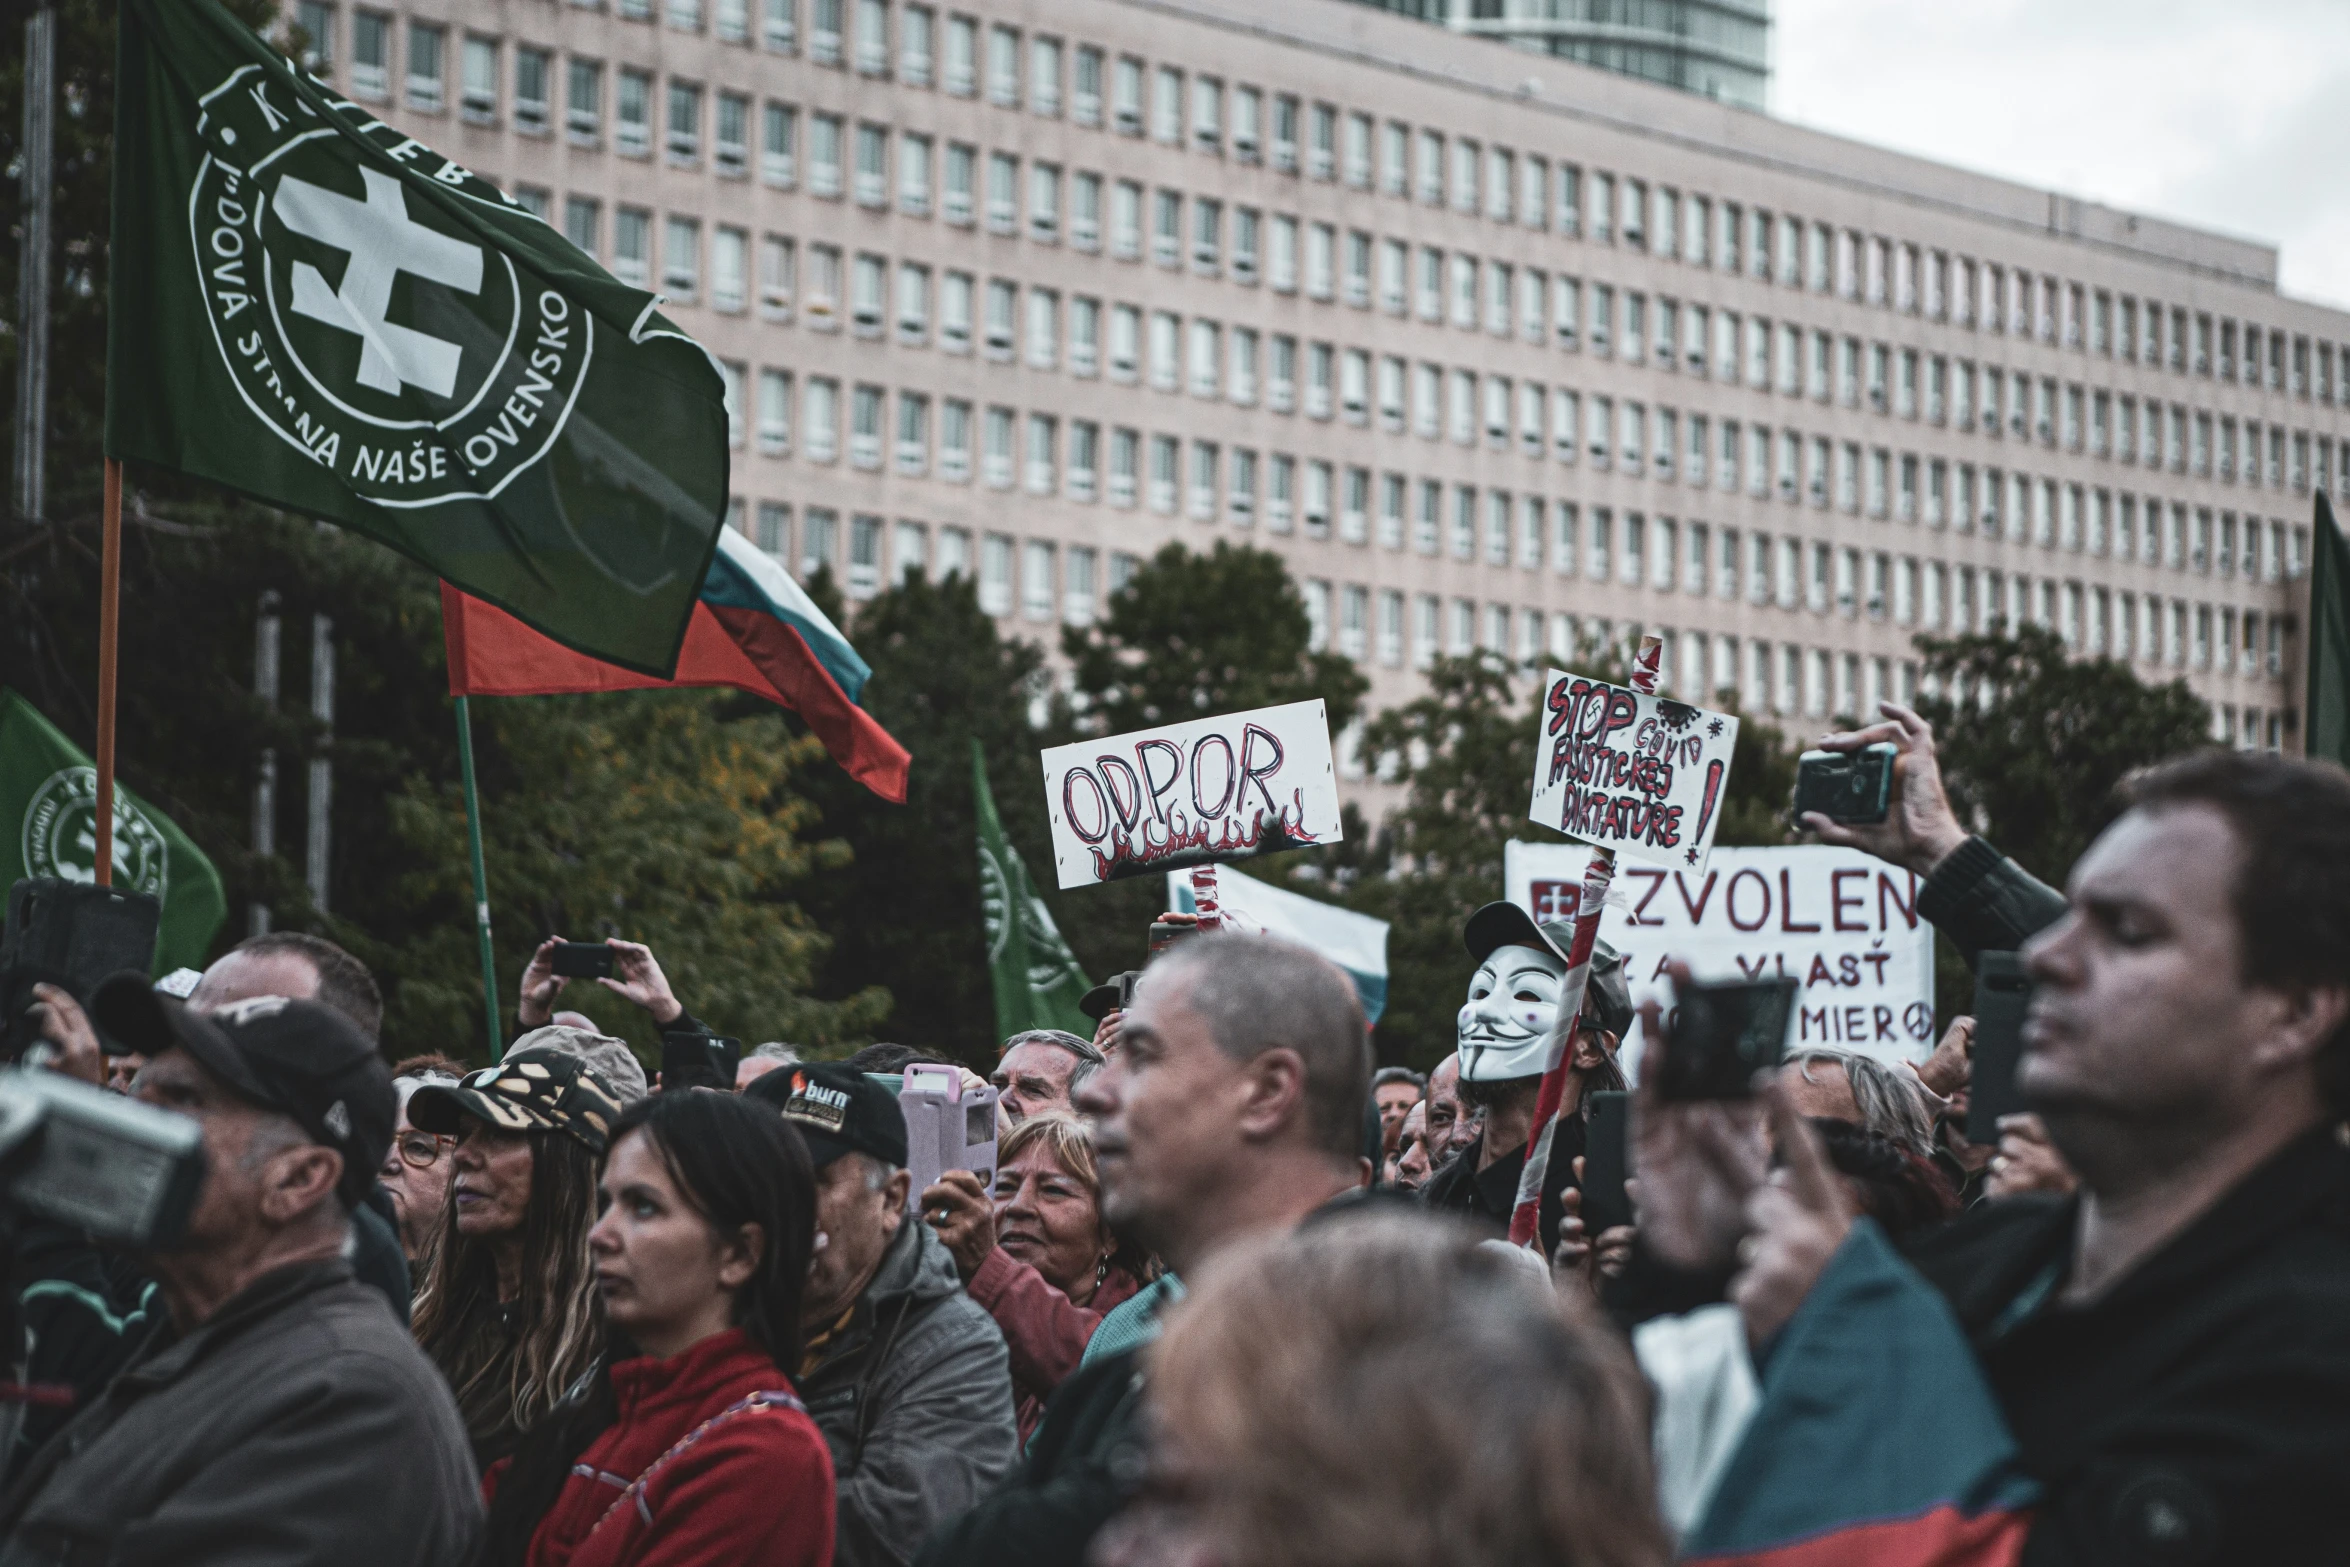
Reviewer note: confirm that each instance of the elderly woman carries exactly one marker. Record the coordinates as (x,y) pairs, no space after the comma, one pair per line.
(1038,1256)
(509,1310)
(415,1171)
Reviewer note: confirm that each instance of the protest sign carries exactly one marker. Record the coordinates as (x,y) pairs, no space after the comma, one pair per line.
(1631,772)
(1844,925)
(1206,791)
(1355,942)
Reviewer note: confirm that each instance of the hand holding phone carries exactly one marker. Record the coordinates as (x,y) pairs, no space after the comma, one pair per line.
(1845,786)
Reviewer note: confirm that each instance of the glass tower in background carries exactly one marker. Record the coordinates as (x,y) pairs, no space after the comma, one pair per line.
(1715,48)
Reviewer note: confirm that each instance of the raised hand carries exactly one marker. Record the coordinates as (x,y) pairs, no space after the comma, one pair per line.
(1799,1218)
(636,975)
(1920,829)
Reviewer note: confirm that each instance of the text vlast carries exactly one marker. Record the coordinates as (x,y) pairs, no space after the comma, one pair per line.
(1199,792)
(1631,772)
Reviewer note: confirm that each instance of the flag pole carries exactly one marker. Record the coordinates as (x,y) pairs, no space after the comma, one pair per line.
(1647,666)
(481,885)
(109,630)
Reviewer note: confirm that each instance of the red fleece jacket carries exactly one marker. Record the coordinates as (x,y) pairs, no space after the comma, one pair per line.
(712,1463)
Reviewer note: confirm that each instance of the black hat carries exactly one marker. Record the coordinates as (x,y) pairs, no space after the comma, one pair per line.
(837,1110)
(538,1089)
(302,1058)
(1103,999)
(1607,999)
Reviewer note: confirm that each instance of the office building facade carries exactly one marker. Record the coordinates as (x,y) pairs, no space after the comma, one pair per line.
(1031,293)
(1715,48)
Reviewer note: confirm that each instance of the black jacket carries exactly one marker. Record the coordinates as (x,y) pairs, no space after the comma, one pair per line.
(1985,902)
(299,1424)
(1487,1197)
(2199,1412)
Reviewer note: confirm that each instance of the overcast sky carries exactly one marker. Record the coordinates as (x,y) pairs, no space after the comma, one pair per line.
(2227,114)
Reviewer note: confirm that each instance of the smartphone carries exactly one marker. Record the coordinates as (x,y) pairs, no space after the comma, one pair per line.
(1722,1034)
(948,1126)
(583,959)
(691,1060)
(1606,1161)
(1845,786)
(2003,993)
(1166,933)
(71,935)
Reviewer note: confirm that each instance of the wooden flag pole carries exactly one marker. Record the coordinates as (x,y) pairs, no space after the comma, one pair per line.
(481,884)
(1647,665)
(109,630)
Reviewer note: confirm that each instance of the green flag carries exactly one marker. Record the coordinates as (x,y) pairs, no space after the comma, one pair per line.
(308,306)
(1036,979)
(2329,638)
(49,827)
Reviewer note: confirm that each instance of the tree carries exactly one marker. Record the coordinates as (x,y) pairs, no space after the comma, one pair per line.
(2032,742)
(905,913)
(1191,635)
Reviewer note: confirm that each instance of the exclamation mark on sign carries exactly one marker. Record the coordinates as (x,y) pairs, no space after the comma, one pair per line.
(1713,795)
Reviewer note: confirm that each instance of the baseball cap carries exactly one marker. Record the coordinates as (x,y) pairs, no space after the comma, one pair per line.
(614,1062)
(539,1089)
(837,1110)
(302,1058)
(1607,998)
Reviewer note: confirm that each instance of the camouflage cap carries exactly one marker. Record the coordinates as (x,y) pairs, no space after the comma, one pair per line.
(532,1090)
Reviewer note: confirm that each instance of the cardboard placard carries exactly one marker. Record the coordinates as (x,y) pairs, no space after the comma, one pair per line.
(1208,790)
(1642,775)
(1845,925)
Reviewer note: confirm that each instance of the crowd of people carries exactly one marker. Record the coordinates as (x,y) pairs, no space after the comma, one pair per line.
(1228,1296)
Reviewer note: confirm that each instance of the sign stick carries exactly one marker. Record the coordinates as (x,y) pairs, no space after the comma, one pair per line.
(481,885)
(1646,666)
(109,630)
(1203,897)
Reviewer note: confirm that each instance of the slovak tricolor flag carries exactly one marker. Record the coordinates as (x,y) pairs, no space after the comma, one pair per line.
(753,629)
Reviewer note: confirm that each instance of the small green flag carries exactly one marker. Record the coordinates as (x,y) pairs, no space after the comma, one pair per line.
(308,306)
(49,827)
(2329,638)
(1036,978)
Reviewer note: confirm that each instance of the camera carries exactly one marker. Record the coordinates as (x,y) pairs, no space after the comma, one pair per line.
(1845,786)
(125,1172)
(693,1060)
(70,934)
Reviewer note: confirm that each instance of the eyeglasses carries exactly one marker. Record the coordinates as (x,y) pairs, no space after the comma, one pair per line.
(422,1150)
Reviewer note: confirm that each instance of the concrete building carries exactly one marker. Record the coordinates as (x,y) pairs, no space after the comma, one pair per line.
(1497,352)
(1714,48)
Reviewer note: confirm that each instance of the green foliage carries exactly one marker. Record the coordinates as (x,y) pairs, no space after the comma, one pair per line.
(1758,797)
(2032,742)
(905,913)
(1193,635)
(647,815)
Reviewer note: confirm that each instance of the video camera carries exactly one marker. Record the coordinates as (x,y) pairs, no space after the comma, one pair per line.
(123,1171)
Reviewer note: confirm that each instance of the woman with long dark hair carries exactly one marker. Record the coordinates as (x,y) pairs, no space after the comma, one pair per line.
(509,1310)
(688,1448)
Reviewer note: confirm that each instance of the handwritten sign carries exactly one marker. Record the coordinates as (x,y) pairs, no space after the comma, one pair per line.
(1638,774)
(1843,924)
(1209,790)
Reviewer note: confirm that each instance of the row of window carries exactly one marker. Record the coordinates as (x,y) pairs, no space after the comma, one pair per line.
(1046,582)
(1005,449)
(1455,172)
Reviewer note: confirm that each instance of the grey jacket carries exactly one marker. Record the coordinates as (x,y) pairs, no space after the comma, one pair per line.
(1985,902)
(298,1425)
(915,1398)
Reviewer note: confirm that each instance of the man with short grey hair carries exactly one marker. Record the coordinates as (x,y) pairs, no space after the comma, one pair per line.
(1040,1070)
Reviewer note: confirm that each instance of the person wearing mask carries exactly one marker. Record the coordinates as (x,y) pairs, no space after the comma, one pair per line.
(1395,1090)
(1506,1034)
(1233,1106)
(1040,1071)
(2169,1344)
(904,1373)
(415,1172)
(1511,1426)
(1038,1256)
(689,1448)
(509,1310)
(277,1411)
